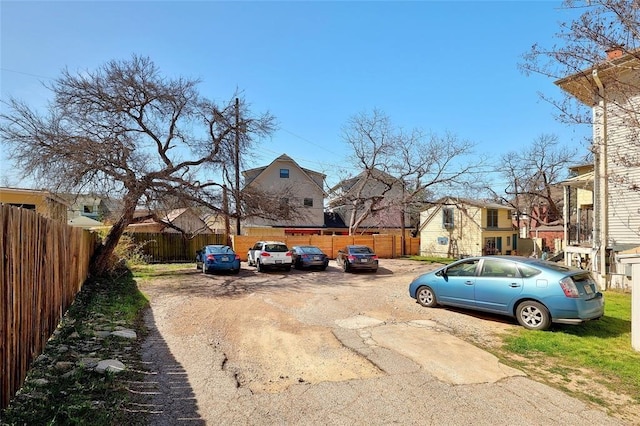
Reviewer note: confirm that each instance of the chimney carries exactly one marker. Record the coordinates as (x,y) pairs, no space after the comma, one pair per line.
(614,53)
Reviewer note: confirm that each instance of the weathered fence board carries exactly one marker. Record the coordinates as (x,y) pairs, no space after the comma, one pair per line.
(43,265)
(385,246)
(170,247)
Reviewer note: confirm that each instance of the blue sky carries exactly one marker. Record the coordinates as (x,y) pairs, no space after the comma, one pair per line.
(443,66)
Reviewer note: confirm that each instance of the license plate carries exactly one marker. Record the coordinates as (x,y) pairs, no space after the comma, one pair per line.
(225,258)
(316,257)
(587,289)
(364,260)
(278,261)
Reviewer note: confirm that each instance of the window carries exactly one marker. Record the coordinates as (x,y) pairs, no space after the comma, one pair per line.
(447,217)
(308,202)
(492,218)
(284,173)
(498,268)
(24,206)
(463,269)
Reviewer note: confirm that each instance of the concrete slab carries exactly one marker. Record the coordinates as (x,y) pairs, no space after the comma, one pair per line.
(447,357)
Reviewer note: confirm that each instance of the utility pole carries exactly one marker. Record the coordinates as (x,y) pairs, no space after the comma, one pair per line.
(225,206)
(236,161)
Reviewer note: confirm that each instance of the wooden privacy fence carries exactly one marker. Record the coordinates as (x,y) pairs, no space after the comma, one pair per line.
(43,265)
(385,246)
(170,247)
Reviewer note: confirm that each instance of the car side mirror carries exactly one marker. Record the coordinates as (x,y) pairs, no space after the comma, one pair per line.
(441,273)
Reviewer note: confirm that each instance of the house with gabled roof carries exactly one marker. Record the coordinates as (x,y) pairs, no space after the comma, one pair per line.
(374,199)
(302,190)
(612,90)
(458,227)
(184,220)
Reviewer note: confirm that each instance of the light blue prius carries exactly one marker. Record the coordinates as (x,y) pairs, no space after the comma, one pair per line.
(535,292)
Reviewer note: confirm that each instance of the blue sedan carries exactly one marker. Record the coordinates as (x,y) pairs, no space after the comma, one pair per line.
(535,292)
(218,257)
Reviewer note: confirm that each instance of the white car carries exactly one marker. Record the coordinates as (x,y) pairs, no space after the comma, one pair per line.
(270,254)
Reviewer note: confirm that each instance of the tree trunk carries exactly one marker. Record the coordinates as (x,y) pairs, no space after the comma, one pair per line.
(101,259)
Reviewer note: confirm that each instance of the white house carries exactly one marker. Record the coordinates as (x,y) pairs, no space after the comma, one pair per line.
(612,90)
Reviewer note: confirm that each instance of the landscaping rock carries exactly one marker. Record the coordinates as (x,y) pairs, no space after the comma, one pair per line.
(126,333)
(110,365)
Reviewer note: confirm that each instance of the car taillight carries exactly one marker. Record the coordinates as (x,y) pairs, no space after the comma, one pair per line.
(211,257)
(237,257)
(374,257)
(569,287)
(351,257)
(265,254)
(288,254)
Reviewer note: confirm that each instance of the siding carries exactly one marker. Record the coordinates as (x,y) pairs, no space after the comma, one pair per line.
(624,202)
(301,186)
(466,238)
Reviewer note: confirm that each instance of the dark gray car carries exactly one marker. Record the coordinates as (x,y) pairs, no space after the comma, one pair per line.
(357,257)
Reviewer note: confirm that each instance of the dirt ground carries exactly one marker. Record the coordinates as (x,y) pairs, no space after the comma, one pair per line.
(257,334)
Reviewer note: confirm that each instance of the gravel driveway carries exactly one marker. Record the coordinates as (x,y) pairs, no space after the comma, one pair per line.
(325,347)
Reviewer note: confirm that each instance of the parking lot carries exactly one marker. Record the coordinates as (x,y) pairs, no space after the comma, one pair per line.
(326,347)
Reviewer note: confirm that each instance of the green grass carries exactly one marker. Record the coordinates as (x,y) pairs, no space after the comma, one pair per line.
(148,271)
(603,346)
(59,389)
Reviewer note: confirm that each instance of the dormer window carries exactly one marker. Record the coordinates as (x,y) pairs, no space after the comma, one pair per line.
(284,173)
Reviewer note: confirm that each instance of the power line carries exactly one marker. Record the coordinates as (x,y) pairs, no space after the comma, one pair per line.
(26,73)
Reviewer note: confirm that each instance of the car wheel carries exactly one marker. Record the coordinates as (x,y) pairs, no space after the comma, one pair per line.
(259,266)
(426,297)
(287,268)
(236,271)
(323,268)
(204,268)
(533,315)
(298,264)
(345,266)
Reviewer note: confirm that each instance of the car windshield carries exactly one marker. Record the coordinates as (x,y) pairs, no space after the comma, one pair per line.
(277,248)
(360,250)
(311,250)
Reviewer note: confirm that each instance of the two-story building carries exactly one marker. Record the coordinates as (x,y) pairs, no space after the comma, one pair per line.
(370,202)
(457,227)
(612,90)
(298,189)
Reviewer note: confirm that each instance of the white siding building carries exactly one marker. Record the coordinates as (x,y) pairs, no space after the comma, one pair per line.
(612,90)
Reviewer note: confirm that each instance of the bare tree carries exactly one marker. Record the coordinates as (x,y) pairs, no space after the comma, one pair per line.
(533,176)
(398,169)
(595,27)
(125,129)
